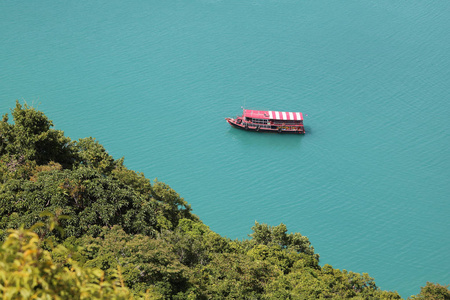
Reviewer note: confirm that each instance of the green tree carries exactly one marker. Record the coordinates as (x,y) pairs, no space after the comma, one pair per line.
(433,291)
(146,263)
(174,207)
(28,272)
(312,283)
(92,200)
(31,138)
(277,235)
(194,243)
(232,276)
(92,154)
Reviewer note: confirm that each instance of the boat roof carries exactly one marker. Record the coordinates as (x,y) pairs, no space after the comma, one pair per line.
(273,115)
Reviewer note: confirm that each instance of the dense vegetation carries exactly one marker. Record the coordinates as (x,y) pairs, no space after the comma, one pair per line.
(101,231)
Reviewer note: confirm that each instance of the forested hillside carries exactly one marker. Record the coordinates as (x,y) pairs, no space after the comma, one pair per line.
(75,223)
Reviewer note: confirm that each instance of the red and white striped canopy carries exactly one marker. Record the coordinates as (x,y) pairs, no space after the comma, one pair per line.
(273,115)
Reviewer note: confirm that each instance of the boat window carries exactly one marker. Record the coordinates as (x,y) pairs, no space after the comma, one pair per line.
(260,121)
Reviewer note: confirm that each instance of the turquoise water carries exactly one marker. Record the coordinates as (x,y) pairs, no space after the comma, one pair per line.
(154,80)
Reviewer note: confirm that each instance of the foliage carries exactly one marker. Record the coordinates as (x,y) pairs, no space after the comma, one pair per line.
(31,138)
(89,198)
(40,169)
(145,262)
(307,283)
(433,291)
(28,272)
(277,235)
(174,208)
(232,276)
(92,154)
(194,243)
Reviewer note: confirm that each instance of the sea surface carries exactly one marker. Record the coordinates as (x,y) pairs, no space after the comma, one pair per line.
(153,81)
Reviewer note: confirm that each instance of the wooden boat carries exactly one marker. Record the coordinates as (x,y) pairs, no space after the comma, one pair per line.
(269,121)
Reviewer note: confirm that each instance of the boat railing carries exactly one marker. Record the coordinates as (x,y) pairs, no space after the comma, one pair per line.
(260,125)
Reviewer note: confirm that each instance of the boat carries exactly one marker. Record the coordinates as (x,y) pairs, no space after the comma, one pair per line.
(269,121)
